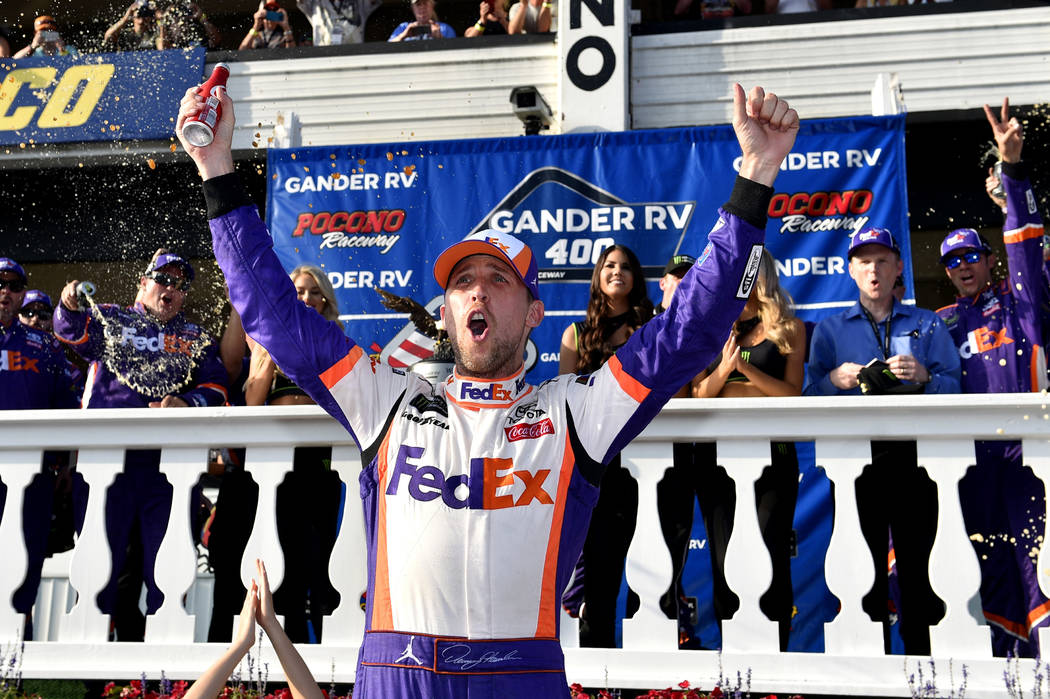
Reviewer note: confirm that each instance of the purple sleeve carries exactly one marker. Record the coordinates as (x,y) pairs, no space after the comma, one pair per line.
(1023,237)
(302,343)
(76,329)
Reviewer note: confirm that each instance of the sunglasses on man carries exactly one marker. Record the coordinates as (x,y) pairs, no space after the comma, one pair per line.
(15,285)
(42,314)
(973,257)
(169,281)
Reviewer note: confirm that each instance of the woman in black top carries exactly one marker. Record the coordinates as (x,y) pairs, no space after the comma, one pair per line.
(618,306)
(763,356)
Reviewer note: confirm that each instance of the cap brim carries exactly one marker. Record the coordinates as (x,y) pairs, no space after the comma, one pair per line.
(448,259)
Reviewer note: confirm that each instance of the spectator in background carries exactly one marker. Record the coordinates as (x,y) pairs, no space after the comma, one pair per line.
(147,355)
(425,26)
(492,20)
(999,330)
(270,29)
(184,25)
(36,310)
(762,357)
(618,306)
(5,43)
(47,41)
(33,376)
(709,9)
(530,17)
(142,35)
(917,355)
(337,22)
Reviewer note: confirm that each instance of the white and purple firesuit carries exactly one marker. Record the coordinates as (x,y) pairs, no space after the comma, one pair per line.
(998,334)
(477,493)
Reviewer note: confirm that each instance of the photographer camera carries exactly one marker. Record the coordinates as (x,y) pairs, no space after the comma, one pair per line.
(270,29)
(47,41)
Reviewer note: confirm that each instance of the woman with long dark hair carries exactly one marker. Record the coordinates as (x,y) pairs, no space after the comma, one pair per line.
(618,306)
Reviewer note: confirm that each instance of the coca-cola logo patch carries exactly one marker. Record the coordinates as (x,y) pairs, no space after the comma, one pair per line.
(526,430)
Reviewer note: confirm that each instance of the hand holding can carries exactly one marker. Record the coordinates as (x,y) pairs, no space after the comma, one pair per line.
(199,130)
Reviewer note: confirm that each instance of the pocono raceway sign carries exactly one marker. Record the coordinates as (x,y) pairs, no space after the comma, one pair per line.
(376,216)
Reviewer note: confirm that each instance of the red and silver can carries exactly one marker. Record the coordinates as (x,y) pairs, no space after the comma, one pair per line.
(199,130)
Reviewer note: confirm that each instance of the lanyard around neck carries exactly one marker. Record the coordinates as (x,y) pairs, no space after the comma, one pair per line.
(883,343)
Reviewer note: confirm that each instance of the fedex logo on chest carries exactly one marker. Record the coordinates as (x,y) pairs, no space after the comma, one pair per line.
(13,360)
(492,484)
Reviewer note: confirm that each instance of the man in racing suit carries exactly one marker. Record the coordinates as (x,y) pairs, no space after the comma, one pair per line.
(34,375)
(998,329)
(477,491)
(147,355)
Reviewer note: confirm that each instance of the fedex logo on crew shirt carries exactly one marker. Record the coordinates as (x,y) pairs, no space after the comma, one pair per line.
(492,483)
(982,340)
(13,360)
(162,341)
(492,391)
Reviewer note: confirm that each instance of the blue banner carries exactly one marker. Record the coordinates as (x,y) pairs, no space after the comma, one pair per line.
(378,215)
(95,97)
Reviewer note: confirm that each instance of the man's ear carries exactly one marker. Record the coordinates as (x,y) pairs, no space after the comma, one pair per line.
(441,312)
(535,314)
(900,266)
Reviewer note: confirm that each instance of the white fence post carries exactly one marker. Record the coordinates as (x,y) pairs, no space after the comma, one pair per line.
(347,568)
(176,564)
(848,567)
(954,572)
(18,469)
(648,565)
(748,567)
(92,562)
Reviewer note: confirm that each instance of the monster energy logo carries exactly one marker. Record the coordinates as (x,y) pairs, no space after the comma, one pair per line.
(746,355)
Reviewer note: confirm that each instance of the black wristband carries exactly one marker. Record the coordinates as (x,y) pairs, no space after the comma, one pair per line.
(1015,171)
(749,201)
(225,193)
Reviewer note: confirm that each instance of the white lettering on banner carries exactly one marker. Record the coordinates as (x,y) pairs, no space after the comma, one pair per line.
(355,182)
(602,219)
(805,224)
(800,266)
(549,357)
(825,160)
(338,239)
(363,278)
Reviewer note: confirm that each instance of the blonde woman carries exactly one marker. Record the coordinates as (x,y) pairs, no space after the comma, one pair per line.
(762,357)
(308,499)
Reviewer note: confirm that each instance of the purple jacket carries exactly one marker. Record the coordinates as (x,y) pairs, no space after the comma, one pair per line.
(136,360)
(999,333)
(34,374)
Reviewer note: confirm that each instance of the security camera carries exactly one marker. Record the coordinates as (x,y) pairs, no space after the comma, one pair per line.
(531,108)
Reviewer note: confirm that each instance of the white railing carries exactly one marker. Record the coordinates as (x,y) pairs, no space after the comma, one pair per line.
(853,662)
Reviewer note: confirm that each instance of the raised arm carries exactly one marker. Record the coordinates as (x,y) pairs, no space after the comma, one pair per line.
(214,678)
(300,682)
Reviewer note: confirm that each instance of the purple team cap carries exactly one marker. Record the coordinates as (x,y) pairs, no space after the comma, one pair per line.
(9,265)
(963,239)
(873,236)
(36,296)
(489,242)
(170,258)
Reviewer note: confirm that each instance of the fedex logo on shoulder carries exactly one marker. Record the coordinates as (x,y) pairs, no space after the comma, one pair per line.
(492,483)
(490,392)
(161,341)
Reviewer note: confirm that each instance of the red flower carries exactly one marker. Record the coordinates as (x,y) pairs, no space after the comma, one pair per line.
(717,693)
(684,684)
(108,688)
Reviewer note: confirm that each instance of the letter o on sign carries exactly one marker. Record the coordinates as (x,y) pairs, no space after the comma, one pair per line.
(572,60)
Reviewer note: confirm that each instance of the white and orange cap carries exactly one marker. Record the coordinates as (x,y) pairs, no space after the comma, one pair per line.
(489,242)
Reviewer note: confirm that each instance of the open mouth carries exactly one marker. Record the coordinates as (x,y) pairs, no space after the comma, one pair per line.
(477,325)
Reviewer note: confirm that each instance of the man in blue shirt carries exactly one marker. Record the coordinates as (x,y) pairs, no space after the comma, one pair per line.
(893,496)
